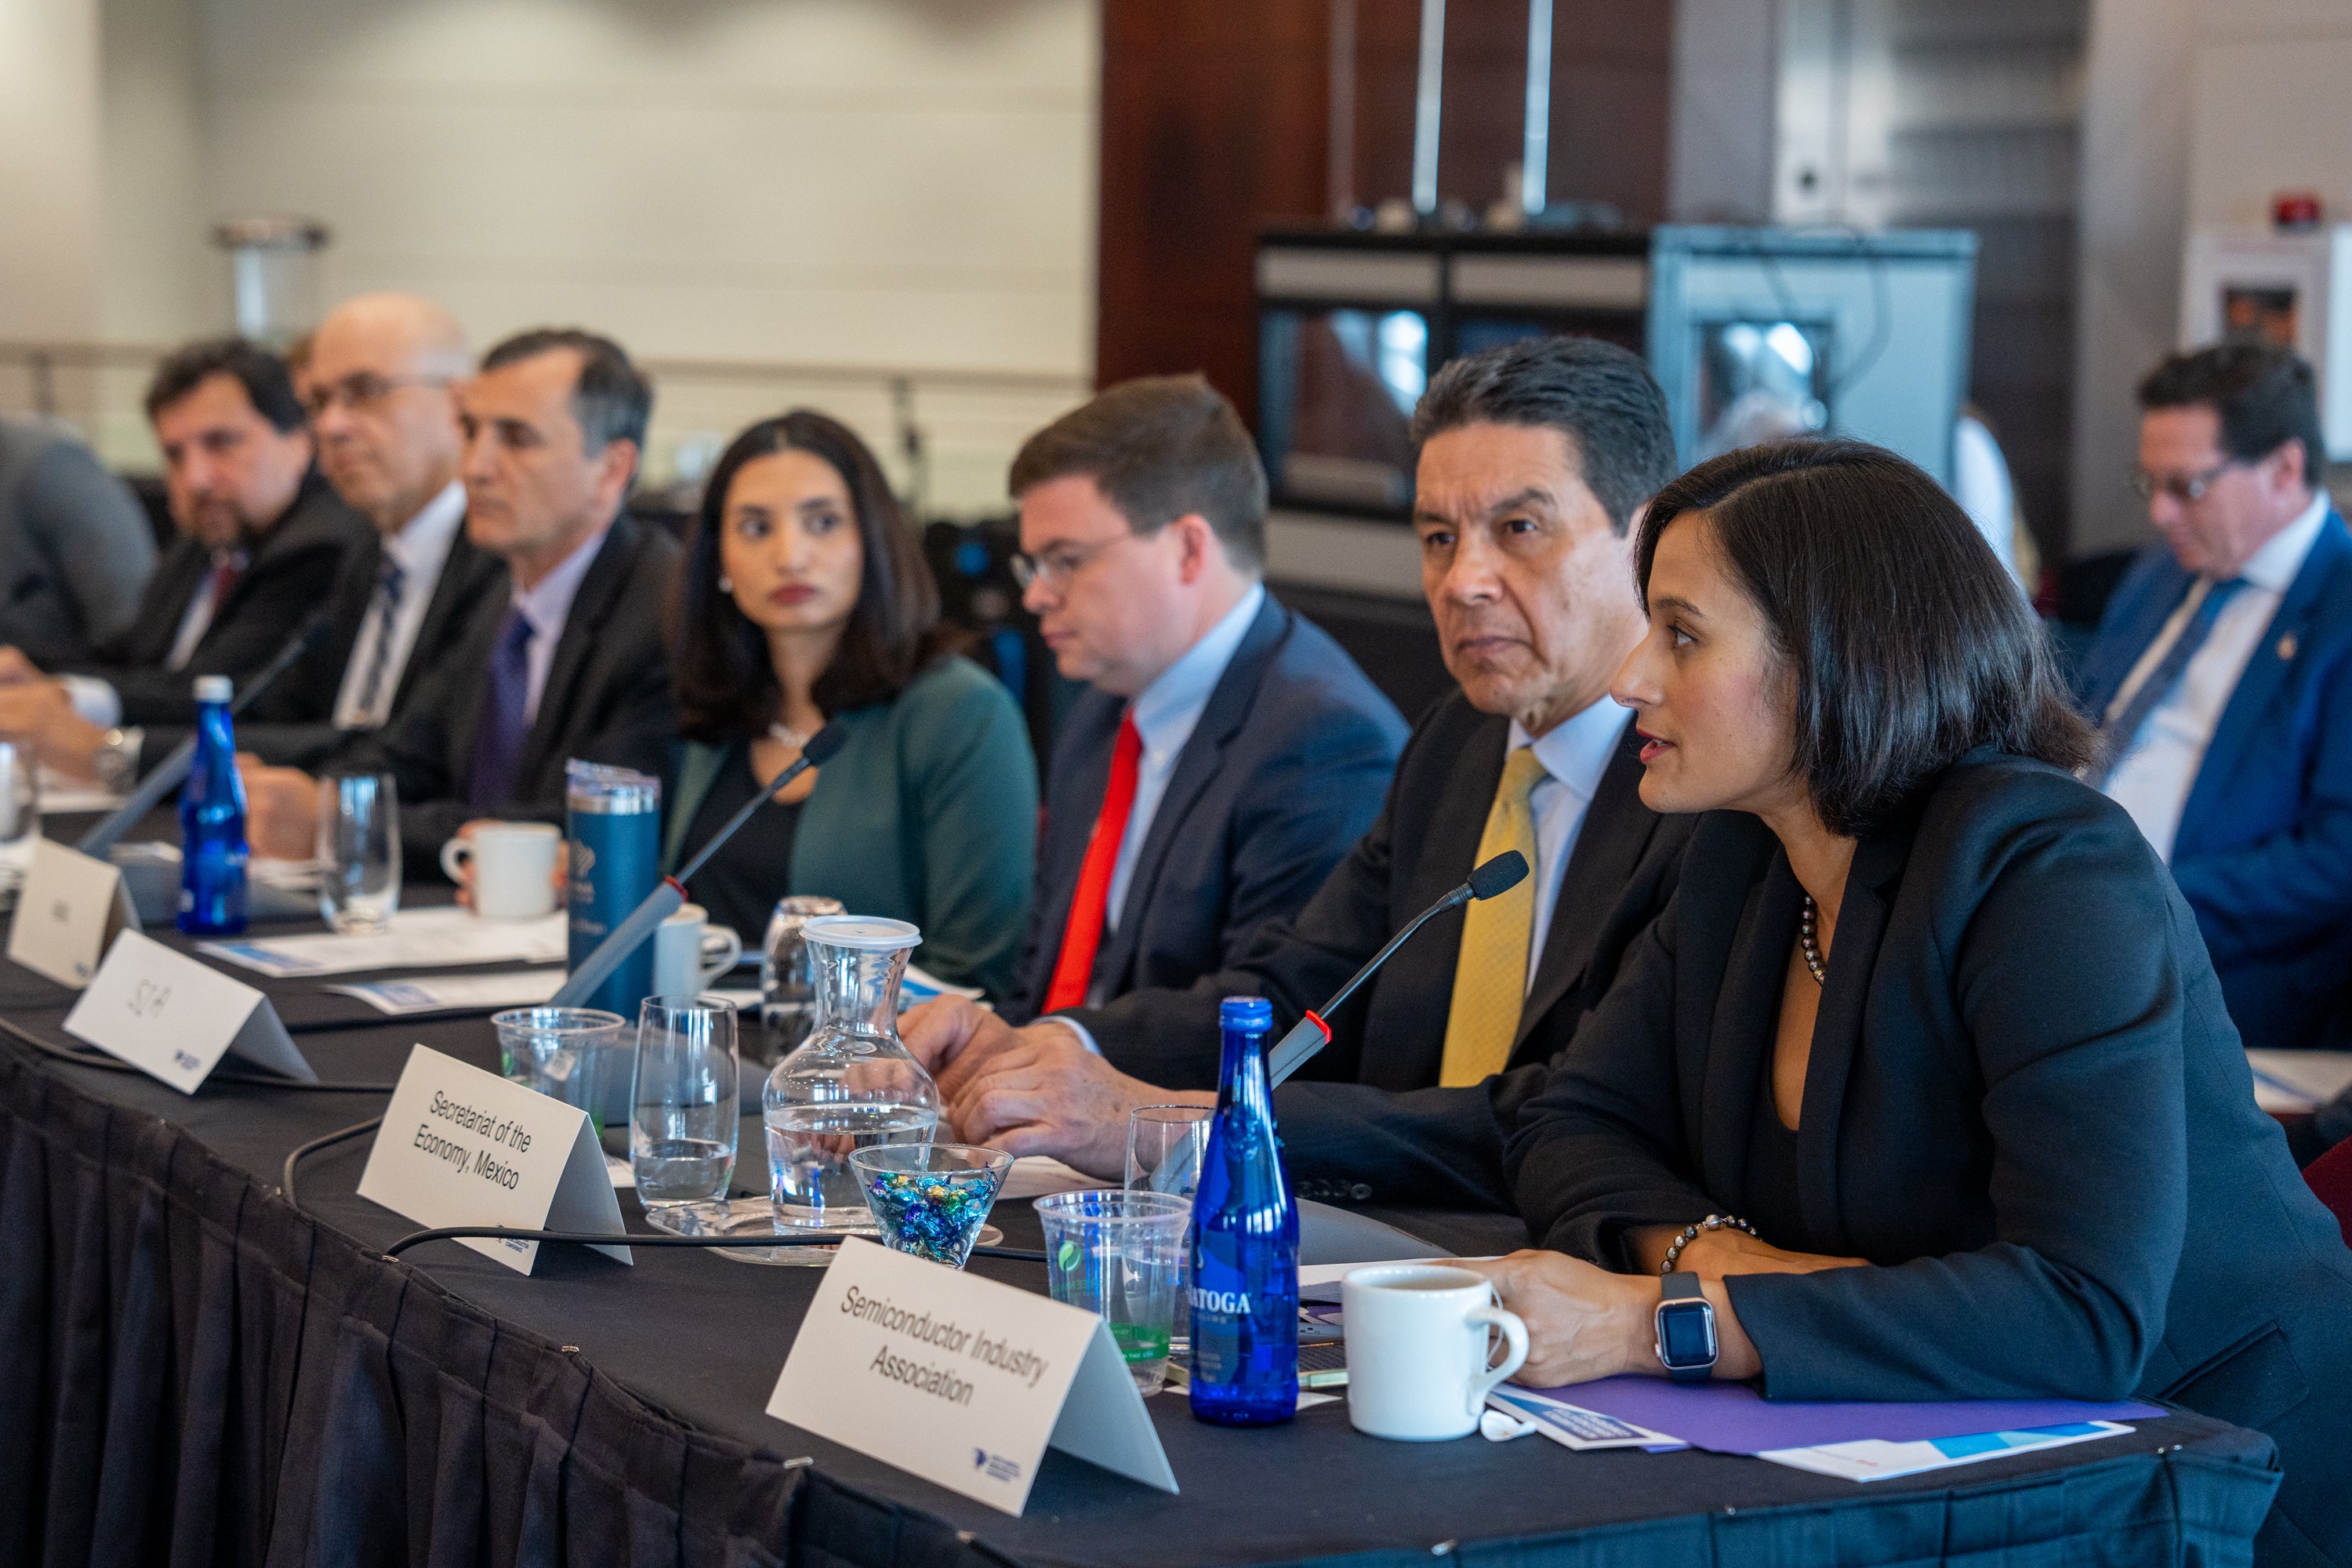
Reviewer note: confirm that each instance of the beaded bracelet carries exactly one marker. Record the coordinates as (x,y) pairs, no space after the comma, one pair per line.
(1691,1233)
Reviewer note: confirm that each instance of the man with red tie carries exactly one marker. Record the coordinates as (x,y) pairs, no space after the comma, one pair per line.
(1228,752)
(261,538)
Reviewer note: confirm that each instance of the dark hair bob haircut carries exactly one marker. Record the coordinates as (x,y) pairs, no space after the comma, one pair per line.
(1906,643)
(725,686)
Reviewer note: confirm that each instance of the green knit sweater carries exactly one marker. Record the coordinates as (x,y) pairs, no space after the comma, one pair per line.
(928,814)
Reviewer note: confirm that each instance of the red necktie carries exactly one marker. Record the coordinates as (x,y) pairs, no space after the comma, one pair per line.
(1083,935)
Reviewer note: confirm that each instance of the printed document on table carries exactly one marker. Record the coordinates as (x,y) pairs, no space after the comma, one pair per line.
(412,993)
(2289,1082)
(1875,1459)
(419,939)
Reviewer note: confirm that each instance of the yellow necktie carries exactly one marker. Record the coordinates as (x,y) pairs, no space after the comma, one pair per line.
(1490,977)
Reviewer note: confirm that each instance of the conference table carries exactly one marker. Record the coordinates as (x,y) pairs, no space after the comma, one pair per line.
(202,1373)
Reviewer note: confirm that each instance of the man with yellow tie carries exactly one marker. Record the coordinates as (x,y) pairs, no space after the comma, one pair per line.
(1534,460)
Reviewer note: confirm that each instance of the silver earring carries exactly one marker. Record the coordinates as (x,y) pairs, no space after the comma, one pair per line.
(725,584)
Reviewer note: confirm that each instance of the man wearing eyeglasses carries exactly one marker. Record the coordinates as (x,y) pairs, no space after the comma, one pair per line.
(1228,752)
(2221,681)
(262,539)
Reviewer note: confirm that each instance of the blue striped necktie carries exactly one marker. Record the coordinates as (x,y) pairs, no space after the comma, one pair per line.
(504,715)
(2117,735)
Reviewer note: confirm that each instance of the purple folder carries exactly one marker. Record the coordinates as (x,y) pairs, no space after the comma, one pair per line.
(1732,1418)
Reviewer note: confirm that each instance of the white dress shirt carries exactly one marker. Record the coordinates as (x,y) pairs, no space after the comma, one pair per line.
(546,606)
(2157,770)
(421,548)
(1574,754)
(1166,713)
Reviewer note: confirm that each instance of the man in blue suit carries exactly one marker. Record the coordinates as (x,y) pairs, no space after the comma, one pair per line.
(1228,752)
(2222,680)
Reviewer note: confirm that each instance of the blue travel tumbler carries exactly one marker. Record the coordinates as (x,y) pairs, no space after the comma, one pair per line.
(613,816)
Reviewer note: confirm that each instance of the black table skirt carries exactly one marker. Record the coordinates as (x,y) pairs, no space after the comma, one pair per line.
(198,1374)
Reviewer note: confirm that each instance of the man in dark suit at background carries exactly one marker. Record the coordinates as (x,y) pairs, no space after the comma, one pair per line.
(571,662)
(1228,751)
(261,540)
(1534,460)
(2221,681)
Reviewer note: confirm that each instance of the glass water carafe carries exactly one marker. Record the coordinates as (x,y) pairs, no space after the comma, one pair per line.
(852,1085)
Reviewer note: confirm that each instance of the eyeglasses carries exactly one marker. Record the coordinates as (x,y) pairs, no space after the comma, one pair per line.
(2186,489)
(362,391)
(1056,563)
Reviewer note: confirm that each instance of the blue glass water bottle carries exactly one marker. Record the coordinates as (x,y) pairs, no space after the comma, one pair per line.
(1244,1294)
(212,821)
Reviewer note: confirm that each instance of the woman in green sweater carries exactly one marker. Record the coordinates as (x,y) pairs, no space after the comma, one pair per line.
(805,598)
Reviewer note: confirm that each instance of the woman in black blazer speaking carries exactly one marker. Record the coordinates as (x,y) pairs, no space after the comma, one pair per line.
(1925,1012)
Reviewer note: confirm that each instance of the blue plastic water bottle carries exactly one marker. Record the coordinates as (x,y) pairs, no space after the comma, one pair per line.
(1244,1295)
(212,821)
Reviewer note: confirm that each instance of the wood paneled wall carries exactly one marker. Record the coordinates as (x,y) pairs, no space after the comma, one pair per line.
(1215,120)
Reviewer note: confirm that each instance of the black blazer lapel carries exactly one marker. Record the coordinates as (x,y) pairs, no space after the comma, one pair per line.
(465,580)
(1740,1031)
(606,577)
(1837,1026)
(1227,708)
(147,640)
(1617,829)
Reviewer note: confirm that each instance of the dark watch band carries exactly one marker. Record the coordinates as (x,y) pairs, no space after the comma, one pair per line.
(1681,1295)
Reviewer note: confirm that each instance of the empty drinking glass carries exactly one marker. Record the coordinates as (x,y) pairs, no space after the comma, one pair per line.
(577,1055)
(359,852)
(787,982)
(20,811)
(1165,1146)
(683,1112)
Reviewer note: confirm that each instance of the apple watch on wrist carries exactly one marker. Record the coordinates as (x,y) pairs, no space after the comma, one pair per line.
(1685,1329)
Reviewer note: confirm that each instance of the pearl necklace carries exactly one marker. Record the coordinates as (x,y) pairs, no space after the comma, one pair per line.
(1809,946)
(789,737)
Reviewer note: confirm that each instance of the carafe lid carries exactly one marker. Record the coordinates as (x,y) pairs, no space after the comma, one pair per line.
(867,933)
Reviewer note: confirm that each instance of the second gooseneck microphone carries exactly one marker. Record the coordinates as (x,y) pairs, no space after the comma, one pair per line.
(1311,1034)
(670,892)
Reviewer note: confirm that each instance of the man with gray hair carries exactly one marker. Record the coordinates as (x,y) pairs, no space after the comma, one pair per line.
(1535,458)
(569,660)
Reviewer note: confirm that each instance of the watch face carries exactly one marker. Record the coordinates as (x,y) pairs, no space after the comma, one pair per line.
(1687,1334)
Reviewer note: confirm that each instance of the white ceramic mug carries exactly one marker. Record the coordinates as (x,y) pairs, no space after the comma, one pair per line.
(689,955)
(514,868)
(1419,1349)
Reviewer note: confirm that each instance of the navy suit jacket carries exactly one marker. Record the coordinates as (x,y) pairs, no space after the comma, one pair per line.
(2038,1125)
(2265,850)
(1284,771)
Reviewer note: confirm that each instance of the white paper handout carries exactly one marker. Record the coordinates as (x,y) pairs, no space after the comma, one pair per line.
(419,939)
(1877,1459)
(412,993)
(961,1380)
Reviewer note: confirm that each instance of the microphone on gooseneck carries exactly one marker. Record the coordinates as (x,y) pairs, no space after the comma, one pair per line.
(168,774)
(670,892)
(1311,1034)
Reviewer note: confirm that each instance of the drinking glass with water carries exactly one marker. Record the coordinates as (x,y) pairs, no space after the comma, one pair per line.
(683,1112)
(359,852)
(20,811)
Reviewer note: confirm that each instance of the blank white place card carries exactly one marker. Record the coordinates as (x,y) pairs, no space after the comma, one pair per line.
(461,1146)
(173,1017)
(69,908)
(961,1380)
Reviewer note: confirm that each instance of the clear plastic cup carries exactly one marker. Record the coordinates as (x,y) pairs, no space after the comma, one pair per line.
(577,1055)
(1120,1254)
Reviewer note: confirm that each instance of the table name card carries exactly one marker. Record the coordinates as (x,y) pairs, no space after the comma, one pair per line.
(961,1380)
(174,1017)
(69,908)
(461,1146)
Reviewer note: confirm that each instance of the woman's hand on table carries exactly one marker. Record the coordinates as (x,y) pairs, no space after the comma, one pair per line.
(1584,1322)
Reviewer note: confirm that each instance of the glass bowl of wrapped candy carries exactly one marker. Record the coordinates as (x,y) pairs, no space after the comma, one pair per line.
(930,1199)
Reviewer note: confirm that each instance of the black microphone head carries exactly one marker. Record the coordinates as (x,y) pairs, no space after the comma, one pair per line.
(1500,874)
(821,746)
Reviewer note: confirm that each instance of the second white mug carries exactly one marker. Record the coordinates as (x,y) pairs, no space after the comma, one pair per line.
(1421,1349)
(689,955)
(514,868)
